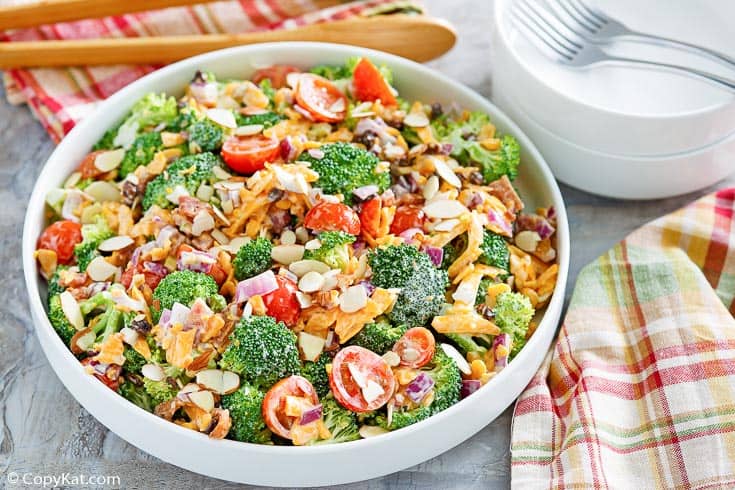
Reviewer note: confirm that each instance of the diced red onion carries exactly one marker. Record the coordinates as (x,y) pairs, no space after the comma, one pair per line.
(179,314)
(469,386)
(288,150)
(195,261)
(535,222)
(499,220)
(146,247)
(366,191)
(436,254)
(98,287)
(165,234)
(259,285)
(504,340)
(419,387)
(358,246)
(311,415)
(369,287)
(156,268)
(446,148)
(165,317)
(377,126)
(280,219)
(409,234)
(551,213)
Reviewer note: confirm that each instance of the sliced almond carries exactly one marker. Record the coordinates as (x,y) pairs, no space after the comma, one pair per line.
(311,282)
(301,267)
(446,173)
(303,299)
(372,391)
(203,221)
(230,382)
(461,362)
(353,299)
(446,225)
(288,237)
(103,191)
(176,193)
(249,130)
(205,192)
(431,187)
(220,237)
(338,106)
(367,431)
(287,254)
(313,244)
(129,335)
(527,240)
(391,358)
(223,117)
(445,209)
(311,346)
(220,173)
(189,388)
(73,180)
(203,400)
(109,160)
(153,372)
(72,312)
(302,234)
(416,120)
(116,243)
(170,139)
(212,379)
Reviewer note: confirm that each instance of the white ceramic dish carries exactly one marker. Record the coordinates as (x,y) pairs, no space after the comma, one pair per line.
(621,176)
(274,465)
(619,109)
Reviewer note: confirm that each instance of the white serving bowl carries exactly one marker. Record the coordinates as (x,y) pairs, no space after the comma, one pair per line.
(621,109)
(280,465)
(622,176)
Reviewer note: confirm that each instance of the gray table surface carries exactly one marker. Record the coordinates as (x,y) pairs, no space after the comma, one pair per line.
(43,430)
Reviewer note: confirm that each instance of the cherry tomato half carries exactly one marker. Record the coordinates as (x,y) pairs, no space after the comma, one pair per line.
(87,168)
(282,304)
(332,216)
(372,368)
(324,101)
(111,377)
(369,84)
(247,155)
(275,400)
(408,216)
(416,347)
(370,216)
(152,276)
(276,74)
(61,237)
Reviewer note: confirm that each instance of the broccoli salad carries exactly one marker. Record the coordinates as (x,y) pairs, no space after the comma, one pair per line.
(299,258)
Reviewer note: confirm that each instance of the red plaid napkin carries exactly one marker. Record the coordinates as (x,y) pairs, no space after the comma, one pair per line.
(639,391)
(59,97)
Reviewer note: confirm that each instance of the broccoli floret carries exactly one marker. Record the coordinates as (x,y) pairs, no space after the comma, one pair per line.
(133,360)
(262,351)
(182,287)
(188,172)
(447,382)
(345,167)
(140,152)
(54,287)
(316,373)
(468,150)
(185,118)
(58,319)
(107,323)
(151,110)
(205,135)
(451,254)
(267,87)
(513,313)
(343,72)
(494,251)
(482,291)
(267,119)
(334,250)
(159,391)
(92,235)
(246,414)
(253,258)
(340,422)
(378,337)
(137,395)
(422,285)
(467,343)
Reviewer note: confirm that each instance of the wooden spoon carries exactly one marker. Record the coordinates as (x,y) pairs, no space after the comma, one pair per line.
(417,37)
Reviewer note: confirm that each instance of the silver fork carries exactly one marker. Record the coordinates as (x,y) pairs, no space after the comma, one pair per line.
(571,49)
(597,26)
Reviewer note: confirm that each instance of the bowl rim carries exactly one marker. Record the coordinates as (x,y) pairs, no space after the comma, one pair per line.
(50,340)
(501,26)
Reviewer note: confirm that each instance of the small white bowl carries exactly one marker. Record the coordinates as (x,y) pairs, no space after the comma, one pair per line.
(280,465)
(623,176)
(619,109)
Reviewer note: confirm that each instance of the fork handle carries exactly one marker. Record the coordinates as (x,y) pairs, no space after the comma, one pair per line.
(665,41)
(723,81)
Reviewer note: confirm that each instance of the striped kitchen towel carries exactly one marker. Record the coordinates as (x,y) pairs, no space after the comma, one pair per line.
(59,97)
(639,391)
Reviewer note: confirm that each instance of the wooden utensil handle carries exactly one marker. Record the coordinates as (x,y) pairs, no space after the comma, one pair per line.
(416,37)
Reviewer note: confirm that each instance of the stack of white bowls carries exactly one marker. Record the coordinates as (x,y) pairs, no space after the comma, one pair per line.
(618,130)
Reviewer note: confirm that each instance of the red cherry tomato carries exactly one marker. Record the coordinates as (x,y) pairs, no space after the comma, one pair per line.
(87,168)
(111,378)
(408,216)
(275,400)
(216,272)
(61,237)
(282,304)
(371,367)
(370,216)
(332,216)
(249,154)
(416,347)
(370,85)
(276,74)
(321,98)
(152,277)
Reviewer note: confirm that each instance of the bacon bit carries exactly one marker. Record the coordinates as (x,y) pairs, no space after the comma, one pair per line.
(191,206)
(504,191)
(111,350)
